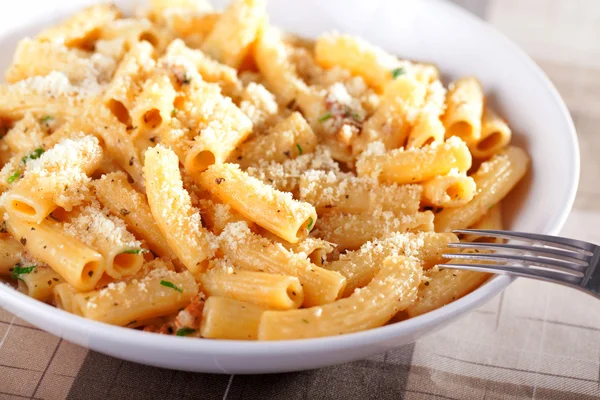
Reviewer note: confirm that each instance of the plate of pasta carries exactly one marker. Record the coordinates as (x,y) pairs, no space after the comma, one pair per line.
(249,187)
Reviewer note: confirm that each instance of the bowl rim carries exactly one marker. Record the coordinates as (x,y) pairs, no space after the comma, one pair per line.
(217,347)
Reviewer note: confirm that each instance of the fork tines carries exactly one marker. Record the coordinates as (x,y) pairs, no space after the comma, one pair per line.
(542,256)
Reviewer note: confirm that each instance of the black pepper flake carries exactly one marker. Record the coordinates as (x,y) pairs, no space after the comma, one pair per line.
(23,241)
(131,161)
(426,283)
(293,293)
(329,206)
(45,247)
(55,279)
(90,273)
(347,196)
(153,139)
(115,304)
(49,282)
(125,211)
(3,227)
(32,228)
(287,153)
(239,158)
(170,329)
(218,181)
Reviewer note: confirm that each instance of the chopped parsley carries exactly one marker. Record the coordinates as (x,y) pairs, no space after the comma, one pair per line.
(14,177)
(325,117)
(396,72)
(305,320)
(173,112)
(490,207)
(186,79)
(185,331)
(299,148)
(171,285)
(310,223)
(34,155)
(134,251)
(46,120)
(18,271)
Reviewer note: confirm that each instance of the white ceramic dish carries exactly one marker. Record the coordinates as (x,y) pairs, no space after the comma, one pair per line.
(427,30)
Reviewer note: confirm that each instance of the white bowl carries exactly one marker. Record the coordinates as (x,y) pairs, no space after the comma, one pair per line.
(435,31)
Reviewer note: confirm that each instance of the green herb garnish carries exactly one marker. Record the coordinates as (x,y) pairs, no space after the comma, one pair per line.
(173,112)
(18,271)
(14,177)
(325,117)
(305,320)
(299,148)
(396,72)
(186,79)
(133,251)
(34,155)
(171,285)
(185,331)
(47,119)
(490,207)
(310,223)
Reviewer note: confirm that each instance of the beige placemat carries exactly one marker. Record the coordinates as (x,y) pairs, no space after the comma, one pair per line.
(535,341)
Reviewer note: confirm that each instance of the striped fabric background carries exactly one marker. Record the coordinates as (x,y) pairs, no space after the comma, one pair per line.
(535,341)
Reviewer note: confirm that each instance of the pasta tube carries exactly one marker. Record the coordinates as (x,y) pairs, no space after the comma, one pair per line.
(172,210)
(224,318)
(393,289)
(267,290)
(494,179)
(273,210)
(414,165)
(464,108)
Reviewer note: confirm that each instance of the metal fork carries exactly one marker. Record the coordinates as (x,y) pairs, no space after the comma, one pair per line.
(569,262)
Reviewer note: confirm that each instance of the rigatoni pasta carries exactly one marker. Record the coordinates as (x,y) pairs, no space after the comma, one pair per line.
(464,108)
(198,173)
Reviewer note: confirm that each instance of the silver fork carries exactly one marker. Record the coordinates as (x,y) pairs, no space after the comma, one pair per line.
(569,262)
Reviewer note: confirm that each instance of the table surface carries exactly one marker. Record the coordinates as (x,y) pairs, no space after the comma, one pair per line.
(534,341)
